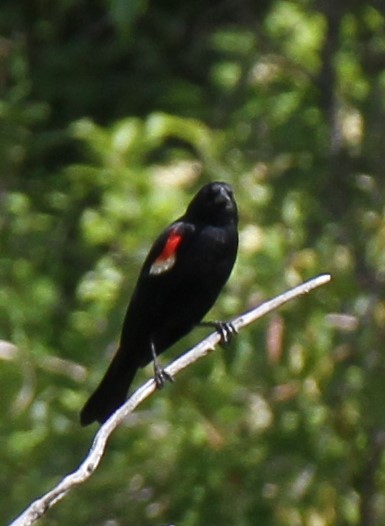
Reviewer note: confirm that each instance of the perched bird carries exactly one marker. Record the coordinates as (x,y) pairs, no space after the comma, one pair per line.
(180,280)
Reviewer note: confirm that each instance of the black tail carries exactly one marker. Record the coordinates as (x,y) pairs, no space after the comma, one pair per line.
(111,392)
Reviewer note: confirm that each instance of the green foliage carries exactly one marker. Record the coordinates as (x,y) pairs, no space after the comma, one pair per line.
(111,115)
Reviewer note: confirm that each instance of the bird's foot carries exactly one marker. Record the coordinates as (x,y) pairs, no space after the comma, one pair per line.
(227,331)
(225,328)
(161,376)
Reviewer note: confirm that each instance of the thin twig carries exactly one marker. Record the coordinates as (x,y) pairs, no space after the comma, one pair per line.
(40,506)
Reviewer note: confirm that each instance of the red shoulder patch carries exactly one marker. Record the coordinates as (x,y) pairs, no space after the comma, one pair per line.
(166,259)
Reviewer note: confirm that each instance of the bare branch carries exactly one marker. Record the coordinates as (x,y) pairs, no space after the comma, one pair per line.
(40,506)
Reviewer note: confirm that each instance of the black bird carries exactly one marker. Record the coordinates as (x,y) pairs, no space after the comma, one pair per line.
(180,280)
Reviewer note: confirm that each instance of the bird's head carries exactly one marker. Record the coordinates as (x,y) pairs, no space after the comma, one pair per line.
(214,204)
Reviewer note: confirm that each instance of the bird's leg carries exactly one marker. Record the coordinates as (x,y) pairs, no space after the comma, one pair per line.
(225,328)
(160,375)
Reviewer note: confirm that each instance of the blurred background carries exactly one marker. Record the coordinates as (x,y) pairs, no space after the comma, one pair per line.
(112,114)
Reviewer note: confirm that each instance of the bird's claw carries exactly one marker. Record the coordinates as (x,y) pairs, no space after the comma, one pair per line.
(161,377)
(226,330)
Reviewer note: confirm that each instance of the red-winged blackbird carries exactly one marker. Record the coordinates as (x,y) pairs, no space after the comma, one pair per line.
(181,278)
